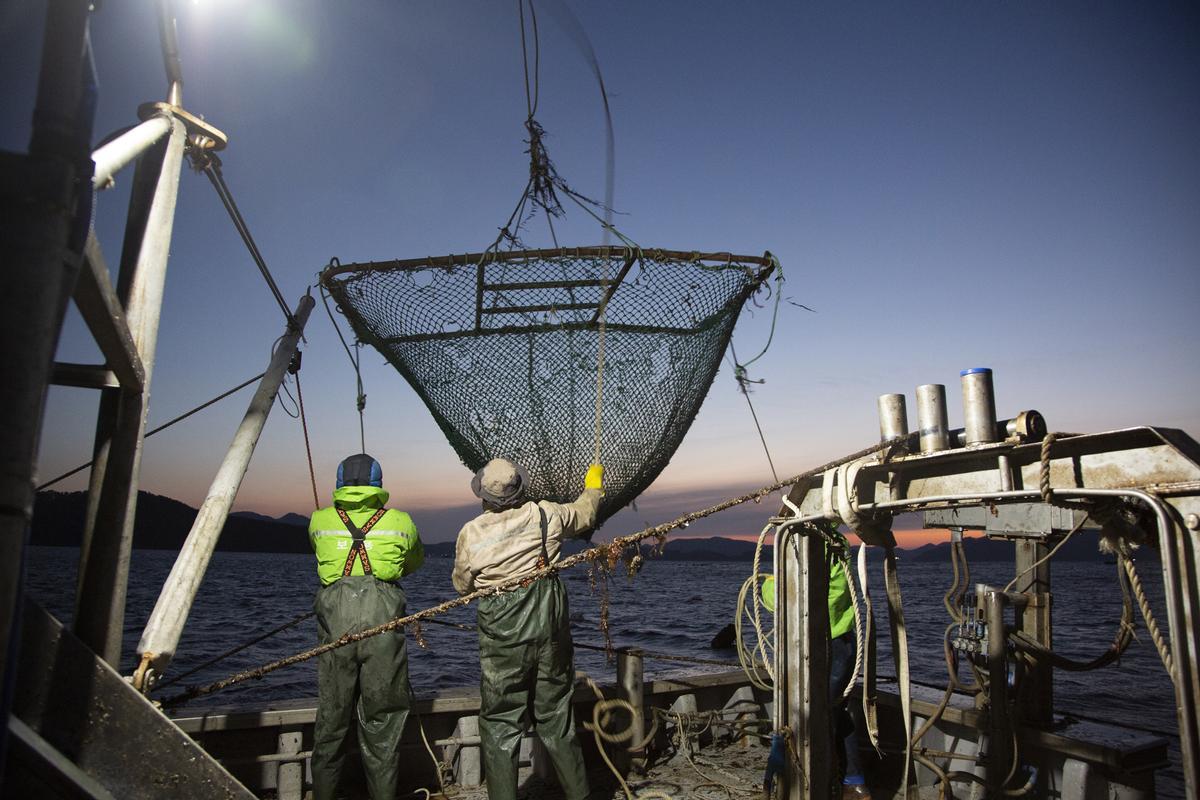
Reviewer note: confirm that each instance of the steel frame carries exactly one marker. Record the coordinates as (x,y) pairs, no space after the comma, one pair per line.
(985,487)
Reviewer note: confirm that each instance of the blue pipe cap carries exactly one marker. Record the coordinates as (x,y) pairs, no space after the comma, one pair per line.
(975,371)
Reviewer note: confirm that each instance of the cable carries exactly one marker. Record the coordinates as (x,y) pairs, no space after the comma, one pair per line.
(210,164)
(361,401)
(1078,526)
(739,374)
(238,649)
(162,427)
(312,474)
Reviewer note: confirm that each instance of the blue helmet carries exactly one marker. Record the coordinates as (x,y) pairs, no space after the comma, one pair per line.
(359,470)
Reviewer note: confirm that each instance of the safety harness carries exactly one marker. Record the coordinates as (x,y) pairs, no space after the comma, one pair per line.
(359,547)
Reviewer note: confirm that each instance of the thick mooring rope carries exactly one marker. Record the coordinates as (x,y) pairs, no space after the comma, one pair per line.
(1160,643)
(605,556)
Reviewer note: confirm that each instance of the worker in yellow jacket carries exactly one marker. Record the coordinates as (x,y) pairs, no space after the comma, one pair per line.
(526,654)
(363,549)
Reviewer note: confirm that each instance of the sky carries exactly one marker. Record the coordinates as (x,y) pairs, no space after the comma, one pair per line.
(946,184)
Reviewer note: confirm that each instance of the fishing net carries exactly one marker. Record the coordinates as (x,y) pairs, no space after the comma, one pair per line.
(503,348)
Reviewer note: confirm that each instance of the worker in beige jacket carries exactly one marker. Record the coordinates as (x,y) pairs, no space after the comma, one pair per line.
(526,655)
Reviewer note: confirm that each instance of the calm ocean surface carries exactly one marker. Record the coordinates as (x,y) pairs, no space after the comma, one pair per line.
(671,607)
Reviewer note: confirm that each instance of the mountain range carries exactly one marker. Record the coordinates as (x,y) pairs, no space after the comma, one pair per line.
(163,524)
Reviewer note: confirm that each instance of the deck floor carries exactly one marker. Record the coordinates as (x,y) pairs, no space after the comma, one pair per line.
(716,773)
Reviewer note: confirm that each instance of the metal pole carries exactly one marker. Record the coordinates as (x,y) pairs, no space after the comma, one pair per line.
(161,637)
(802,662)
(999,753)
(115,155)
(39,195)
(112,495)
(631,683)
(170,51)
(1037,696)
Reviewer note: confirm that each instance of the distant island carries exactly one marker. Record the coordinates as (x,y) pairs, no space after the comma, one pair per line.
(163,524)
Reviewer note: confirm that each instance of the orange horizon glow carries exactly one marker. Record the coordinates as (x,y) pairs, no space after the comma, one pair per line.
(905,539)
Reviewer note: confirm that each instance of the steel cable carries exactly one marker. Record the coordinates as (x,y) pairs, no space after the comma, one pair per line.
(162,427)
(210,164)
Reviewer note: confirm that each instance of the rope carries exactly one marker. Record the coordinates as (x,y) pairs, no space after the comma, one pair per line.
(312,474)
(762,642)
(1118,646)
(1044,475)
(162,427)
(858,627)
(1078,526)
(238,649)
(739,374)
(210,164)
(653,656)
(600,367)
(1135,582)
(658,656)
(361,400)
(601,554)
(774,314)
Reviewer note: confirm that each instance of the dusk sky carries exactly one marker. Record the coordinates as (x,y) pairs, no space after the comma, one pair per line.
(948,185)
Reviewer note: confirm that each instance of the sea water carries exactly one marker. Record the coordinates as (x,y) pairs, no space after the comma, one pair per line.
(670,607)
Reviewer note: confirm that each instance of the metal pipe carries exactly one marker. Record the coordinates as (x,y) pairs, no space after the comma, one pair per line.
(1004,466)
(893,417)
(979,406)
(932,420)
(801,692)
(170,51)
(999,718)
(112,493)
(1181,619)
(115,155)
(163,630)
(632,687)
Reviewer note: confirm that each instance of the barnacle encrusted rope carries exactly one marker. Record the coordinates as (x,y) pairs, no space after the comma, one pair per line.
(593,555)
(496,344)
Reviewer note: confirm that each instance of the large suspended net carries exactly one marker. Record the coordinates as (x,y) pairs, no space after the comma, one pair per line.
(504,348)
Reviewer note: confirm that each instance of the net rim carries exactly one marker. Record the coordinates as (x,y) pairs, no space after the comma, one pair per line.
(336,269)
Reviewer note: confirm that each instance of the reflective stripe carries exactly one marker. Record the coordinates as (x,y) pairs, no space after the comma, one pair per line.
(374,533)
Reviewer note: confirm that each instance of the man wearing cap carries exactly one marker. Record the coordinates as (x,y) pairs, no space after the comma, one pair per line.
(362,549)
(525,651)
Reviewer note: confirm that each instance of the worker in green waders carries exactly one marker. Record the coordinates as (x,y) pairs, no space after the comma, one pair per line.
(363,549)
(843,651)
(526,655)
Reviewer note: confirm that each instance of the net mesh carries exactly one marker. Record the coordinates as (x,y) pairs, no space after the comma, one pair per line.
(503,349)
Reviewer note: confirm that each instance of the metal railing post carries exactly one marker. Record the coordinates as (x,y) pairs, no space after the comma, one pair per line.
(112,493)
(163,630)
(631,685)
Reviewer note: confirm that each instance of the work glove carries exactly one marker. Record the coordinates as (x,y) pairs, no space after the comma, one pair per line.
(775,763)
(594,478)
